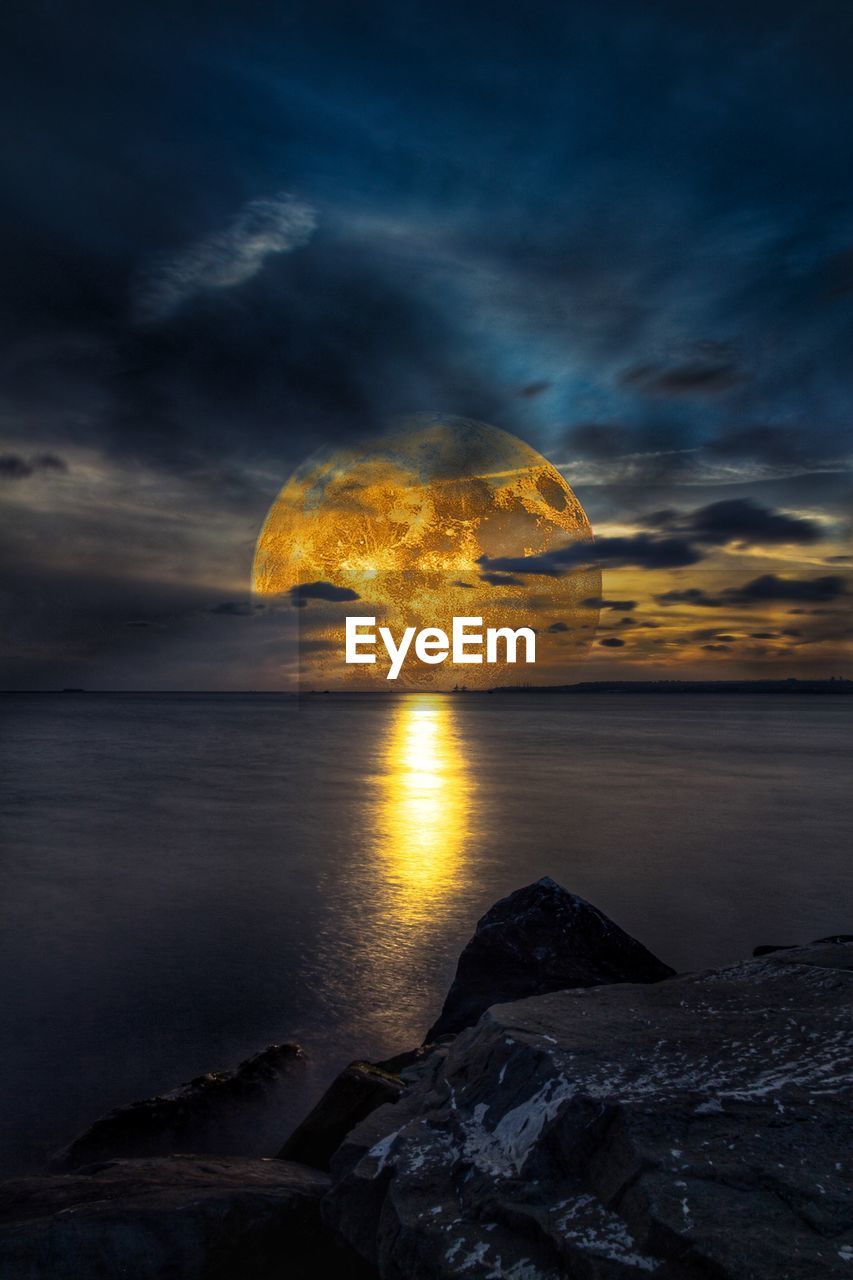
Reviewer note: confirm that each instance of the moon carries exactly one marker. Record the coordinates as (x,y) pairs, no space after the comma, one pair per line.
(398,528)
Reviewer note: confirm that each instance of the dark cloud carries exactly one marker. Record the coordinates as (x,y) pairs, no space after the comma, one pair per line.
(305,591)
(641,551)
(689,595)
(838,274)
(775,445)
(771,587)
(459,583)
(767,588)
(15,467)
(717,648)
(236,609)
(742,521)
(424,268)
(612,642)
(707,374)
(559,626)
(317,346)
(621,606)
(638,453)
(600,440)
(499,579)
(317,645)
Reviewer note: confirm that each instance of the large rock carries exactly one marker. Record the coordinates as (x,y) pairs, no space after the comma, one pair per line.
(219,1113)
(539,939)
(182,1217)
(700,1127)
(350,1098)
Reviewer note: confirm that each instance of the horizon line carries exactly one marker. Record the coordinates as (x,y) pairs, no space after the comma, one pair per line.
(776,681)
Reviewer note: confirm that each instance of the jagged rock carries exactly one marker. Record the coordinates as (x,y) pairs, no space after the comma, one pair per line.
(409,1058)
(696,1128)
(350,1098)
(185,1217)
(212,1113)
(539,939)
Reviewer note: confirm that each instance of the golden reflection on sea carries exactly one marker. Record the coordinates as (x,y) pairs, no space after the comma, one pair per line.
(424,802)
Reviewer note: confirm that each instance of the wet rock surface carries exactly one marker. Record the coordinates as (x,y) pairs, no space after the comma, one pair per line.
(181,1217)
(212,1113)
(700,1127)
(541,938)
(598,1121)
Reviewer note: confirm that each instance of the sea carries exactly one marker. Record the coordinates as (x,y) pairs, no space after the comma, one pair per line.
(187,878)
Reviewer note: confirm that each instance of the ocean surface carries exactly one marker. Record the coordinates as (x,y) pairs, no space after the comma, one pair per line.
(187,878)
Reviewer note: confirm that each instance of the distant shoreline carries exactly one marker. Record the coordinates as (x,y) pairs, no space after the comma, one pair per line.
(834,685)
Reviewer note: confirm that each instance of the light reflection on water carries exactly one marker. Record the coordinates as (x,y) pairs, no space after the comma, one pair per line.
(423,798)
(405,870)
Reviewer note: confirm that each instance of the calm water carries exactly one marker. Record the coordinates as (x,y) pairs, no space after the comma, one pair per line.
(186,879)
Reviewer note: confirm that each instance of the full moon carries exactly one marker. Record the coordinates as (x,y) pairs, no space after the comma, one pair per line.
(402,527)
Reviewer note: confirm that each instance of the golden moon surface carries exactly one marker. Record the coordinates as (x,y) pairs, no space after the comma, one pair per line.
(397,529)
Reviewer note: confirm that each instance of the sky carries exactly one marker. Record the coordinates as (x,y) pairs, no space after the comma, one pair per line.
(233,233)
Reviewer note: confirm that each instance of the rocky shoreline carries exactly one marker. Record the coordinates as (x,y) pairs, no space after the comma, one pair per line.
(577,1110)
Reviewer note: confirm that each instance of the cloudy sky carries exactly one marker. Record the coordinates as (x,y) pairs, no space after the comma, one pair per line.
(233,233)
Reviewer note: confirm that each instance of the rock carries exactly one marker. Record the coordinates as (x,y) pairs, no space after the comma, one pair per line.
(212,1113)
(358,1090)
(696,1128)
(539,939)
(769,948)
(185,1217)
(409,1058)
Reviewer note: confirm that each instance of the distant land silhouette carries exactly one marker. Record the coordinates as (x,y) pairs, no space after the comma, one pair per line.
(835,684)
